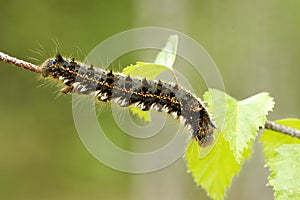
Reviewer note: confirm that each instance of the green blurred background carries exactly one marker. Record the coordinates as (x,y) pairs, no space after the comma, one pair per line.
(255,44)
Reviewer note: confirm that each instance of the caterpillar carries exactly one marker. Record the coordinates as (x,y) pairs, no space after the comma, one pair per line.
(125,90)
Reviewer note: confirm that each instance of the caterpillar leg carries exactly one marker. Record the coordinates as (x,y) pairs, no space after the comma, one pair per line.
(67,90)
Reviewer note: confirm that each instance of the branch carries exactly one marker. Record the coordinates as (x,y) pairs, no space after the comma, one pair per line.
(29,66)
(282,129)
(20,63)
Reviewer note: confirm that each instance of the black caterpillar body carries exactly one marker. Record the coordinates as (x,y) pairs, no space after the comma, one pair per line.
(125,90)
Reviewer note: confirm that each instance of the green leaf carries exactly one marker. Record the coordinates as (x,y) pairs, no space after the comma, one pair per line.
(272,140)
(144,115)
(236,130)
(282,155)
(214,172)
(168,55)
(144,70)
(164,61)
(285,172)
(240,120)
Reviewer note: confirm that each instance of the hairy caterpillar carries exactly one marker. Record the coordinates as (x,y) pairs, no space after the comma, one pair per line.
(125,91)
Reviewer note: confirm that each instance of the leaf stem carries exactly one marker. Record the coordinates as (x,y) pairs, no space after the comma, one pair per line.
(175,77)
(282,129)
(32,67)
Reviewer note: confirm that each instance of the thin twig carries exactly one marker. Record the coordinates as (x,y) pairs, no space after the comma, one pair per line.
(20,63)
(282,129)
(29,66)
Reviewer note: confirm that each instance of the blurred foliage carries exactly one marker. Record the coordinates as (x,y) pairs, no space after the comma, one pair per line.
(254,43)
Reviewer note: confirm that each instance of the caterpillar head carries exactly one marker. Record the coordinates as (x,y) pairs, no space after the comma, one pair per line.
(57,67)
